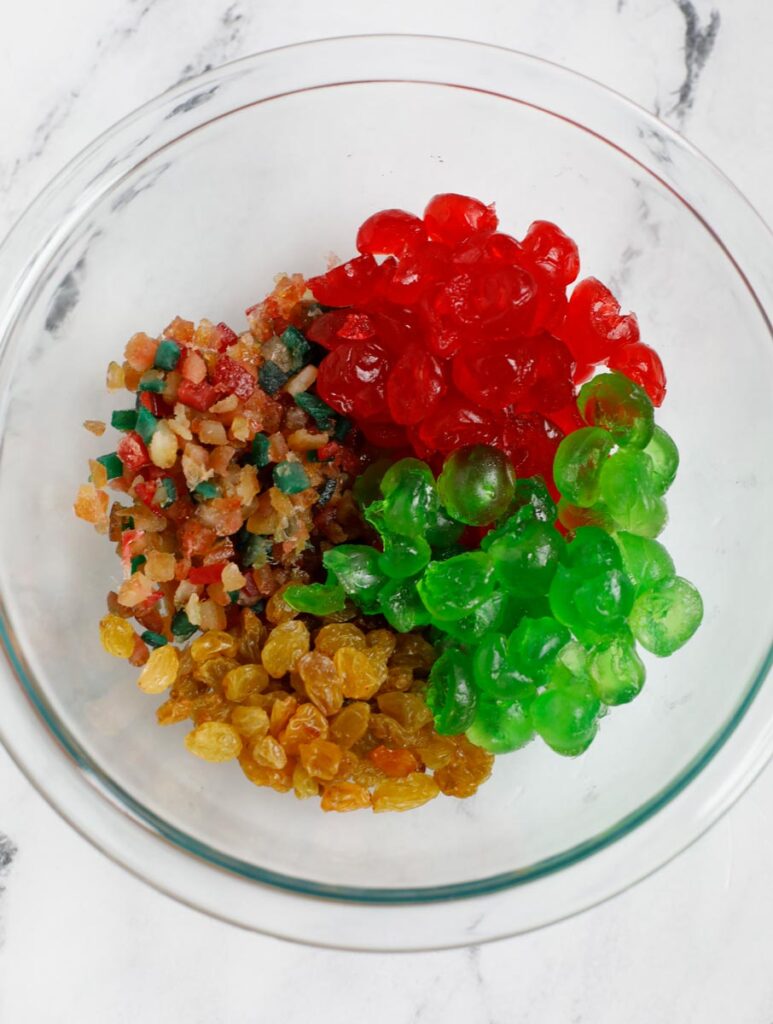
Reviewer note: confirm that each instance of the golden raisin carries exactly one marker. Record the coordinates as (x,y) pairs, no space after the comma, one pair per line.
(360,677)
(286,645)
(321,758)
(214,670)
(250,722)
(277,609)
(307,724)
(344,796)
(383,642)
(436,751)
(350,724)
(282,711)
(160,670)
(339,634)
(269,751)
(399,677)
(466,771)
(404,794)
(409,709)
(321,682)
(280,779)
(413,651)
(243,680)
(117,636)
(303,784)
(214,741)
(216,641)
(251,640)
(394,763)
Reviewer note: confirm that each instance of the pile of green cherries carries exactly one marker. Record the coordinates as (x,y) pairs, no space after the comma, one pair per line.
(536,626)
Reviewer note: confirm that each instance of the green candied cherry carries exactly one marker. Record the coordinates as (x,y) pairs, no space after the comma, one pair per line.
(665,615)
(604,601)
(367,486)
(356,568)
(645,560)
(534,646)
(403,556)
(410,497)
(567,717)
(533,501)
(493,671)
(591,550)
(617,672)
(627,487)
(572,517)
(477,484)
(615,403)
(316,598)
(490,614)
(401,606)
(502,726)
(451,695)
(443,532)
(452,589)
(665,459)
(578,463)
(525,561)
(570,665)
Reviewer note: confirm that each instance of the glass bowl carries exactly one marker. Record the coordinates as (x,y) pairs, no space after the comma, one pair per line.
(190,206)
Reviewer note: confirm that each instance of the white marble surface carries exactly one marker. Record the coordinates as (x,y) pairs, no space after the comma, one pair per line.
(81,940)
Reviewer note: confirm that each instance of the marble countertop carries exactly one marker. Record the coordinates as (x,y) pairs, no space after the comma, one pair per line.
(79,938)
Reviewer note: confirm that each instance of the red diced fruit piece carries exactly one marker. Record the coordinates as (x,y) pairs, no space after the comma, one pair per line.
(453,218)
(415,385)
(391,233)
(197,396)
(553,250)
(594,325)
(349,284)
(642,365)
(132,452)
(196,539)
(231,378)
(225,336)
(192,367)
(207,573)
(140,352)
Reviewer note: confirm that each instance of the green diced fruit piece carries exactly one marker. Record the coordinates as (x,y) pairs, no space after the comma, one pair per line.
(665,459)
(665,615)
(153,639)
(403,556)
(169,489)
(492,669)
(442,531)
(592,550)
(320,411)
(272,377)
(153,381)
(617,672)
(367,486)
(534,646)
(533,501)
(401,606)
(566,717)
(124,419)
(146,424)
(645,560)
(525,563)
(316,598)
(255,551)
(113,465)
(259,455)
(342,428)
(167,354)
(410,497)
(137,562)
(572,517)
(356,568)
(616,404)
(290,477)
(182,627)
(206,491)
(604,601)
(629,491)
(477,485)
(578,463)
(451,693)
(452,589)
(490,614)
(501,726)
(297,347)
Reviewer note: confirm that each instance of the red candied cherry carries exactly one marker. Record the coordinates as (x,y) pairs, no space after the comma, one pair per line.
(568,419)
(502,248)
(551,304)
(642,365)
(324,329)
(391,233)
(530,440)
(415,385)
(552,385)
(594,326)
(349,284)
(453,218)
(456,422)
(385,435)
(549,246)
(498,297)
(495,374)
(353,377)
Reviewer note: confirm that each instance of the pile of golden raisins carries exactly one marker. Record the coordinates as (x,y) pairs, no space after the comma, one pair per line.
(330,710)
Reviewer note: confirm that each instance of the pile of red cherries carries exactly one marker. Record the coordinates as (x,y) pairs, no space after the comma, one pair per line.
(446,332)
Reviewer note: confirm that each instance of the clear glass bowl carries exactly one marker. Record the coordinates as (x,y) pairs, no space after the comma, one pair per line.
(190,206)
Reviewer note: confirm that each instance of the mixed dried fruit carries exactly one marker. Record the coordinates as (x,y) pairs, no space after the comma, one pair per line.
(384,533)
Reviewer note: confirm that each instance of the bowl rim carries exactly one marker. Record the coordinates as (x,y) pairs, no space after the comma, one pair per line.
(100,783)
